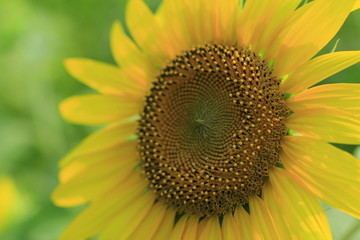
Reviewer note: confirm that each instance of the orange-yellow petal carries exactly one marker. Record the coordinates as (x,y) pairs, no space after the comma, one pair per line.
(327,124)
(105,78)
(299,214)
(105,208)
(340,95)
(105,139)
(95,109)
(260,21)
(319,69)
(329,173)
(127,220)
(182,20)
(306,33)
(165,229)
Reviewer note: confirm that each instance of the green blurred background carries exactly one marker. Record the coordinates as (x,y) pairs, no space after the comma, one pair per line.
(35,37)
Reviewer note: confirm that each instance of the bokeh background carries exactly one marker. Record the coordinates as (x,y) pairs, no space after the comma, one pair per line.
(35,37)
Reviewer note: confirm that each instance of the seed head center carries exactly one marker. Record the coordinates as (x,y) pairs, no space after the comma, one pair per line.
(210,130)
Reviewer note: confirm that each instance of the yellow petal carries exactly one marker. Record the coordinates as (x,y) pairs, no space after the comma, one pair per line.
(262,222)
(105,78)
(132,61)
(191,228)
(242,219)
(104,139)
(105,209)
(306,33)
(94,109)
(319,69)
(172,17)
(144,28)
(178,229)
(341,95)
(166,227)
(300,213)
(329,173)
(123,154)
(261,20)
(356,5)
(150,224)
(327,124)
(127,221)
(230,228)
(85,188)
(211,229)
(183,20)
(86,181)
(222,17)
(275,209)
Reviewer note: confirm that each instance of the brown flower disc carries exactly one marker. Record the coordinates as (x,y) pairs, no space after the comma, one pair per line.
(210,130)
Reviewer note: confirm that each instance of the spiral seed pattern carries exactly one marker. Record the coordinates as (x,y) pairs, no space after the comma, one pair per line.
(210,130)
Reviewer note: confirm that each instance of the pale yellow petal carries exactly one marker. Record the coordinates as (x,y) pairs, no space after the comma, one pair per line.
(306,33)
(340,95)
(127,220)
(319,69)
(166,227)
(242,219)
(191,228)
(96,109)
(327,124)
(104,77)
(178,229)
(329,173)
(211,229)
(263,224)
(301,216)
(230,228)
(260,21)
(134,64)
(104,139)
(82,180)
(105,209)
(7,200)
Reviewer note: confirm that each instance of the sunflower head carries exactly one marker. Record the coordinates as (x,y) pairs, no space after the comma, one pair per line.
(214,155)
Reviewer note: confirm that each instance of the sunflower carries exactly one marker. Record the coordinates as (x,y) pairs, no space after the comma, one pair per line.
(215,130)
